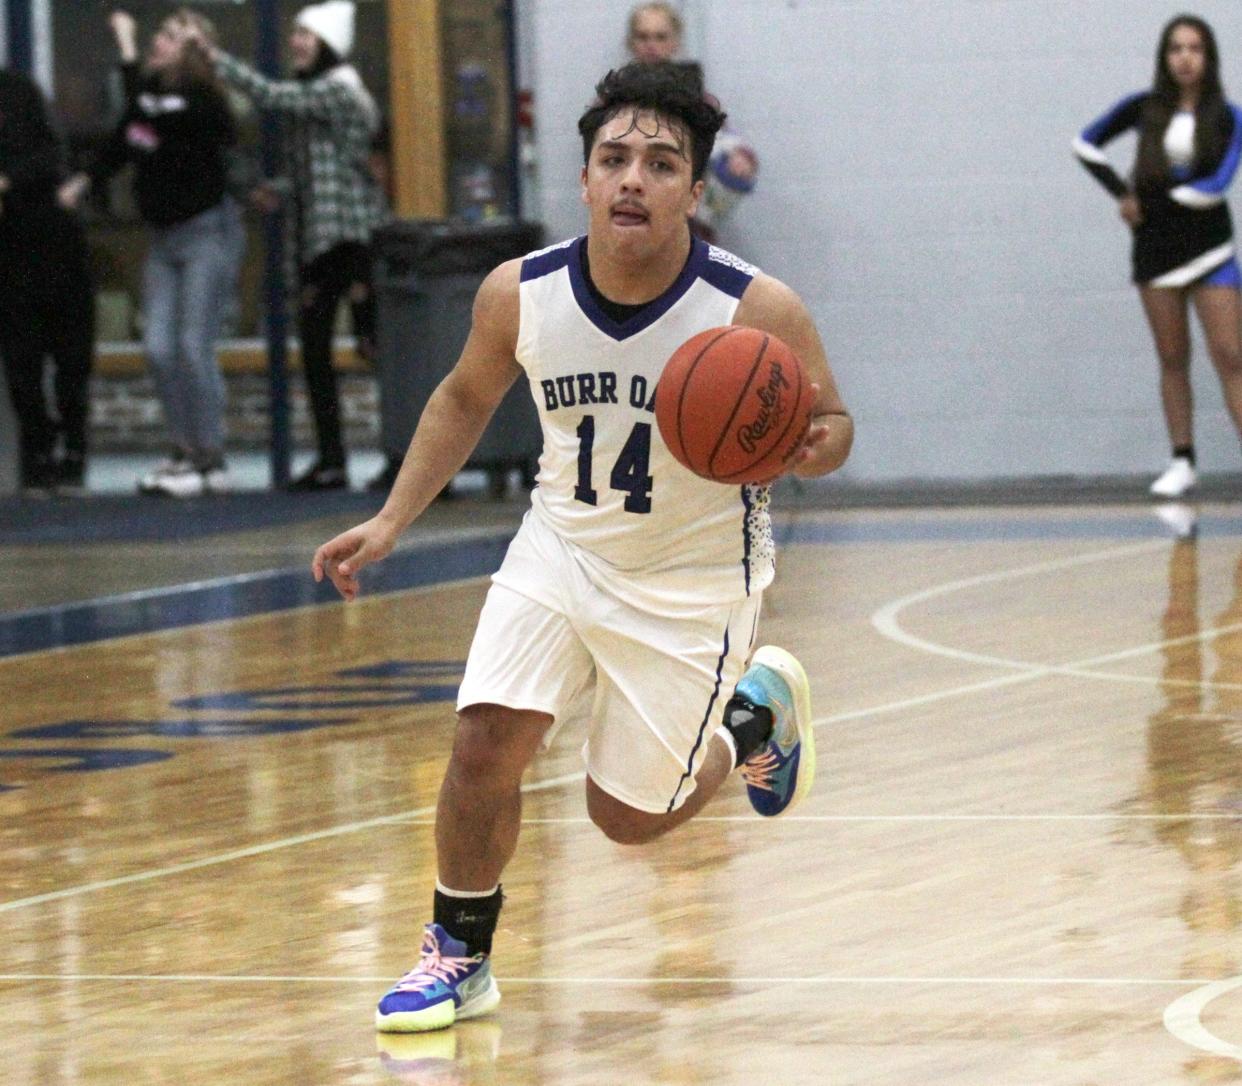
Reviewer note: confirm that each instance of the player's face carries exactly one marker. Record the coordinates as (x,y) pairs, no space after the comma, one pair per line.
(1186,57)
(638,183)
(652,37)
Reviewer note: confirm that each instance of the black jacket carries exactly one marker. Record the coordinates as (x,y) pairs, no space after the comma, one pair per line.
(178,140)
(31,154)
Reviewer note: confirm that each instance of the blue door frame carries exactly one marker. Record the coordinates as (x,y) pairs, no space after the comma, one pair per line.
(19,36)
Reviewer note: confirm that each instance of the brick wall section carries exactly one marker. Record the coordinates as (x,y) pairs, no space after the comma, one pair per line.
(126,416)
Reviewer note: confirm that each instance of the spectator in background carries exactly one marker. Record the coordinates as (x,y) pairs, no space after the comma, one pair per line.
(177,131)
(336,202)
(1189,145)
(47,307)
(654,34)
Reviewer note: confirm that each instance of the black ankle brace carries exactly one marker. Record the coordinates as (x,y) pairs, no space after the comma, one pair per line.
(749,724)
(471,920)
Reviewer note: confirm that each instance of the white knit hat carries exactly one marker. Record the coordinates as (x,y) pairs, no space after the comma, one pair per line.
(332,22)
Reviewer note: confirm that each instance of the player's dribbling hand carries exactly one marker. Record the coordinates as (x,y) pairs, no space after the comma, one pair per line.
(342,558)
(811,445)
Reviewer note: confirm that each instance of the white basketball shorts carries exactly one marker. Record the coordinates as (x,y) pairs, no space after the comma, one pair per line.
(650,687)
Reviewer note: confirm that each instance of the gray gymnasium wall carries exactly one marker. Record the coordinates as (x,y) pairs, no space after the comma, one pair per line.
(970,280)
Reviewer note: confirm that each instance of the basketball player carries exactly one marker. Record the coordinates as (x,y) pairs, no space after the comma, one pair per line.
(630,597)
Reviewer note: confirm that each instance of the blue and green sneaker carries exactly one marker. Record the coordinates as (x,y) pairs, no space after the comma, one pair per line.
(780,773)
(446,986)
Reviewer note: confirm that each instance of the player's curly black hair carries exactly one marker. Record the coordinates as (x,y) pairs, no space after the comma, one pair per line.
(670,89)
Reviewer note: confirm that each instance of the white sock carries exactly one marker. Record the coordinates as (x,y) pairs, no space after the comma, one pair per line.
(465,893)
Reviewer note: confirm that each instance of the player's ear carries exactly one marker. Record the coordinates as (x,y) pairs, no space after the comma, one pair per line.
(696,194)
(583,179)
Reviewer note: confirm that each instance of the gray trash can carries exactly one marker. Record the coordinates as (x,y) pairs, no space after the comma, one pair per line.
(426,275)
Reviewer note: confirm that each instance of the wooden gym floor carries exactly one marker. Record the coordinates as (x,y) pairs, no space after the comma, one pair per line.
(1020,863)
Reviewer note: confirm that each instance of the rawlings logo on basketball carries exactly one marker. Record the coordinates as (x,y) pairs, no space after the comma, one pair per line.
(733,405)
(771,411)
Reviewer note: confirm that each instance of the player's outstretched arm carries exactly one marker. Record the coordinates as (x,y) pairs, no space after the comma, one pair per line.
(771,306)
(447,432)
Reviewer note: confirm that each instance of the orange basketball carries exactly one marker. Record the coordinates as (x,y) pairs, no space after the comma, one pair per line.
(734,404)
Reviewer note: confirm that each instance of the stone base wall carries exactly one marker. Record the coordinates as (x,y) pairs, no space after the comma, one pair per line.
(126,415)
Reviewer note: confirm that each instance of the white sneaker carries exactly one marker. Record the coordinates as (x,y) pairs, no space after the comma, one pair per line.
(1178,478)
(181,480)
(217,480)
(149,483)
(1183,519)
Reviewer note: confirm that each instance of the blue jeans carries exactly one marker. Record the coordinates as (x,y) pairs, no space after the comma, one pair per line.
(190,268)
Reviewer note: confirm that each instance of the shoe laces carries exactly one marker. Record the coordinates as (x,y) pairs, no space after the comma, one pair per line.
(758,769)
(433,967)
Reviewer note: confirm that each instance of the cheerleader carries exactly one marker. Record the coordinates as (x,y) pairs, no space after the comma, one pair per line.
(1189,143)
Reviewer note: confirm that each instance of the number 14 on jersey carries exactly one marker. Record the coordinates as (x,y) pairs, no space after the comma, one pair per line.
(629,473)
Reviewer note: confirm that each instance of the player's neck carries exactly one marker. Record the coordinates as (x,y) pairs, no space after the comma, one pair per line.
(630,281)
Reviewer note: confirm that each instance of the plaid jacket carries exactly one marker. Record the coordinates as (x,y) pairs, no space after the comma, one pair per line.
(329,124)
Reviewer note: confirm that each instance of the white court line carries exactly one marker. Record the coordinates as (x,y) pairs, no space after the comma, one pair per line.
(884,619)
(1023,672)
(1220,816)
(420,816)
(408,817)
(1041,982)
(435,539)
(1183,1018)
(235,620)
(253,850)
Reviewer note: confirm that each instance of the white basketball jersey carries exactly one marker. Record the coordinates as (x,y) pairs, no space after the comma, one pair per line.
(607,483)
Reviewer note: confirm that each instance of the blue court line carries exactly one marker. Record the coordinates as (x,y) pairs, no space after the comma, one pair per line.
(128,518)
(235,597)
(270,592)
